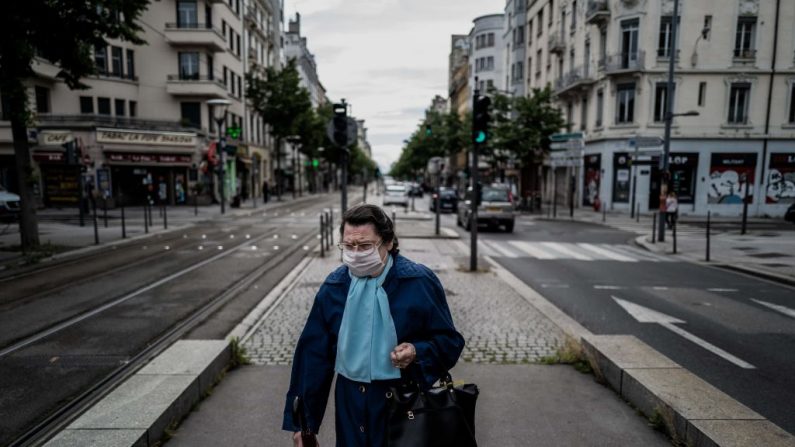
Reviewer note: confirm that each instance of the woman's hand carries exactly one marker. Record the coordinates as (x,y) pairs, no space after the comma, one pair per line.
(403,355)
(299,442)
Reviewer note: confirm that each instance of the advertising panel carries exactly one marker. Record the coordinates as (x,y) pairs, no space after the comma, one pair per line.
(591,179)
(729,176)
(621,177)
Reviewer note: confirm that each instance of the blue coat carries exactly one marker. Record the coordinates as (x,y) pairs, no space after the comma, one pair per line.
(422,317)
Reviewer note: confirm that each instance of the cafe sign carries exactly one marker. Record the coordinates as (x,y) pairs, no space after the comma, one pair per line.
(54,138)
(116,136)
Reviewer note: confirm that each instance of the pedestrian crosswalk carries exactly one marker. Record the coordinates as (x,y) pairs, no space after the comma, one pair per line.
(645,227)
(580,251)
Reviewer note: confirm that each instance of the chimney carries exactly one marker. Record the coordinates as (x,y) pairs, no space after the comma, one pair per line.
(295,25)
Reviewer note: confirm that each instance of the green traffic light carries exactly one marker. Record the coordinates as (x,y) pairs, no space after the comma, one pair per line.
(480,137)
(315,163)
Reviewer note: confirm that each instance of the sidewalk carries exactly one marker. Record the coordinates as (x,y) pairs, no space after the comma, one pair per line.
(60,233)
(522,402)
(767,252)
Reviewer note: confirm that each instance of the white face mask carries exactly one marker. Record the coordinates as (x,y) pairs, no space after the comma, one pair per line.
(363,264)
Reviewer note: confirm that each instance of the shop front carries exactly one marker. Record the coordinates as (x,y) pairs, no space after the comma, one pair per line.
(683,167)
(781,179)
(592,176)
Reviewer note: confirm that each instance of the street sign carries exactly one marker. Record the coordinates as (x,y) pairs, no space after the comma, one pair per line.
(558,137)
(562,146)
(645,141)
(352,127)
(435,165)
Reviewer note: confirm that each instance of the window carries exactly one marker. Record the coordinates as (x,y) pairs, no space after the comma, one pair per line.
(540,22)
(87,105)
(103,106)
(42,99)
(791,119)
(744,39)
(530,32)
(551,9)
(519,71)
(519,41)
(625,103)
(664,40)
(239,86)
(739,97)
(489,85)
(191,114)
(119,105)
(539,54)
(629,43)
(491,40)
(569,116)
(210,68)
(133,109)
(600,105)
(573,15)
(702,93)
(101,59)
(661,101)
(130,64)
(584,114)
(602,46)
(237,39)
(187,14)
(226,77)
(117,64)
(189,66)
(571,59)
(529,68)
(490,63)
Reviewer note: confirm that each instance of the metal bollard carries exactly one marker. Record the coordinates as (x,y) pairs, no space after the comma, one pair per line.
(637,211)
(322,241)
(165,217)
(708,222)
(146,218)
(96,229)
(123,222)
(673,233)
(331,227)
(653,228)
(105,210)
(394,221)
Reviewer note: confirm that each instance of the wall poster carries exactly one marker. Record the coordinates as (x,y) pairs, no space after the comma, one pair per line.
(622,181)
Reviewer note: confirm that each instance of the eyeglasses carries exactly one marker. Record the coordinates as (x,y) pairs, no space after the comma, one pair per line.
(364,247)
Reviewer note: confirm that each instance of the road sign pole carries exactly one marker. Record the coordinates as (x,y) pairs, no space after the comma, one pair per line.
(669,110)
(473,217)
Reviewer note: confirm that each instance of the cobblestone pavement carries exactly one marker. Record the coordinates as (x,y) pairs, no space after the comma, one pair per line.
(498,324)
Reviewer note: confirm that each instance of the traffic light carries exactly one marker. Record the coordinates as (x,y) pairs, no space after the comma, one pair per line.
(315,163)
(72,153)
(340,124)
(480,119)
(428,130)
(233,131)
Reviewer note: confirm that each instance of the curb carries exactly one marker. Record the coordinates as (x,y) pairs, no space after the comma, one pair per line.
(140,410)
(691,410)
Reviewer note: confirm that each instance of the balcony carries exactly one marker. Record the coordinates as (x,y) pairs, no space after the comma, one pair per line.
(622,63)
(252,54)
(557,43)
(195,86)
(195,35)
(48,120)
(582,76)
(598,12)
(744,55)
(662,54)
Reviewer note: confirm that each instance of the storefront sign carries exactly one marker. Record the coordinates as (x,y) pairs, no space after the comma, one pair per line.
(683,167)
(781,178)
(621,180)
(592,179)
(61,184)
(54,137)
(127,157)
(49,157)
(729,176)
(148,138)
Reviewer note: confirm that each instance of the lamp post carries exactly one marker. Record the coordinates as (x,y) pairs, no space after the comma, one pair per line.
(665,168)
(219,107)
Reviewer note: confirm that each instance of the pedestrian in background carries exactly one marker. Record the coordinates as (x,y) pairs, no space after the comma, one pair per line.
(671,209)
(378,321)
(265,191)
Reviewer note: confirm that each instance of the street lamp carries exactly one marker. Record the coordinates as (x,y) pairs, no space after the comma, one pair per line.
(219,107)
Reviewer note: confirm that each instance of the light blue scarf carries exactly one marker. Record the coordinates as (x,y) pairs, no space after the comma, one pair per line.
(367,334)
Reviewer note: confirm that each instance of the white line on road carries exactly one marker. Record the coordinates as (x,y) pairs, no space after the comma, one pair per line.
(563,248)
(554,286)
(645,315)
(718,289)
(533,250)
(494,245)
(777,307)
(606,253)
(660,288)
(604,287)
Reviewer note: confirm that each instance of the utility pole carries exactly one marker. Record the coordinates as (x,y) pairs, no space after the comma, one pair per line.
(669,117)
(340,138)
(480,128)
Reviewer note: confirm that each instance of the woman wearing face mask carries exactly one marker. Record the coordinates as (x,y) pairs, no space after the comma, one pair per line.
(378,321)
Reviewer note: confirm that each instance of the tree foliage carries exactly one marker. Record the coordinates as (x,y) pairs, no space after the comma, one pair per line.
(64,33)
(279,99)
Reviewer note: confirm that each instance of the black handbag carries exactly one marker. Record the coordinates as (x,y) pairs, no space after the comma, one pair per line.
(439,417)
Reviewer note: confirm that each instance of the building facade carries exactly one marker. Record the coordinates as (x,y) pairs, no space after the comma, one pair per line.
(514,35)
(459,95)
(486,53)
(144,130)
(607,62)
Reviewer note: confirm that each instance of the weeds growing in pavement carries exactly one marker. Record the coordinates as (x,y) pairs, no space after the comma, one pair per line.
(239,354)
(571,353)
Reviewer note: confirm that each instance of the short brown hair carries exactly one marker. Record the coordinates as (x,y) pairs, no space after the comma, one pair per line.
(364,214)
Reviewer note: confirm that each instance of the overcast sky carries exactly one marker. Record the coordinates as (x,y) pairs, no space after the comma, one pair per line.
(388,58)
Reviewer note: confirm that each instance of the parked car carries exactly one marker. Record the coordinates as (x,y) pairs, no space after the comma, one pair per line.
(447,202)
(789,216)
(9,205)
(415,190)
(496,208)
(396,195)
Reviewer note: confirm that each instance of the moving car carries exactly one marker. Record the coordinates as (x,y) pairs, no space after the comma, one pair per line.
(447,202)
(496,208)
(396,195)
(789,216)
(9,205)
(415,190)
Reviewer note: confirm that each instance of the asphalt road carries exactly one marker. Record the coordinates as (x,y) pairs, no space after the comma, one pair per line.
(67,326)
(719,325)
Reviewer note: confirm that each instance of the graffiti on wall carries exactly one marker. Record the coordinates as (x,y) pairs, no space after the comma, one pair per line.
(729,176)
(781,179)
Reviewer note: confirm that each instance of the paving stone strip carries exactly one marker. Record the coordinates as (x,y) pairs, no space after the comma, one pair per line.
(499,326)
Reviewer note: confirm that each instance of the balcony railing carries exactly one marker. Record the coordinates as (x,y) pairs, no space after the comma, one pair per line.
(188,77)
(557,43)
(189,25)
(662,53)
(623,62)
(190,84)
(744,54)
(48,119)
(579,76)
(598,12)
(195,34)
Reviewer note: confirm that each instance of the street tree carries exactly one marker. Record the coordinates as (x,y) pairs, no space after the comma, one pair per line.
(281,102)
(63,33)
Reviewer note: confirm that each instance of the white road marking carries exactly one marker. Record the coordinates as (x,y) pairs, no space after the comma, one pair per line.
(554,286)
(777,307)
(645,315)
(495,246)
(660,288)
(604,287)
(607,253)
(533,250)
(564,248)
(640,254)
(718,289)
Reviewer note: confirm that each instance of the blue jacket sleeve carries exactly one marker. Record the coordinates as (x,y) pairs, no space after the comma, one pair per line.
(441,345)
(313,368)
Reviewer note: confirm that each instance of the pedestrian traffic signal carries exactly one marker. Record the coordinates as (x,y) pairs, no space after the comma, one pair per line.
(315,163)
(233,131)
(428,130)
(480,119)
(340,124)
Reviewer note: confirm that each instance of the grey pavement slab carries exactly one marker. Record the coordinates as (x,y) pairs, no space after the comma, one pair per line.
(518,405)
(104,438)
(723,433)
